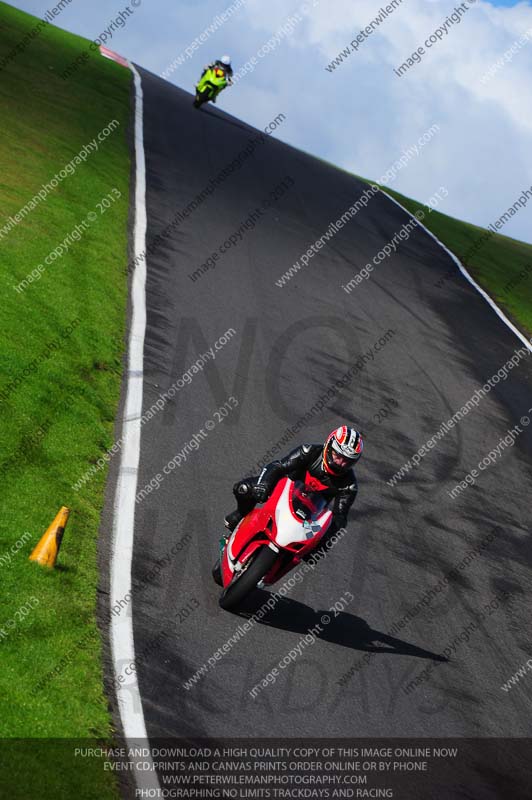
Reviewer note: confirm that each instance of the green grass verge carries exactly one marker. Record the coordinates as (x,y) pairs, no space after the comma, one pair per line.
(502,266)
(59,390)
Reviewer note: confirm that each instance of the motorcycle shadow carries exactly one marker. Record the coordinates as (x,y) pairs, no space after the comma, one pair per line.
(344,629)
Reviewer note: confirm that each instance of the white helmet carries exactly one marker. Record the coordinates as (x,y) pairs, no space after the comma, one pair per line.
(226,60)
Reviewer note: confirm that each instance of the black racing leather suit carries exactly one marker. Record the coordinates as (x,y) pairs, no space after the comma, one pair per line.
(341,489)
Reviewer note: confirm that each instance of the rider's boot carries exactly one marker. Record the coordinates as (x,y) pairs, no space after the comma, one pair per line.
(232,519)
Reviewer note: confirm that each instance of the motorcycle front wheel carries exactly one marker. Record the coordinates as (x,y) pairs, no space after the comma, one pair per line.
(201,98)
(243,583)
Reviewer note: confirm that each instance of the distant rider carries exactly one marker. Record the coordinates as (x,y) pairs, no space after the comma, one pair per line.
(325,467)
(223,63)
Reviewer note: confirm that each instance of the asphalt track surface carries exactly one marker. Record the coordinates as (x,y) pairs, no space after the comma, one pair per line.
(291,345)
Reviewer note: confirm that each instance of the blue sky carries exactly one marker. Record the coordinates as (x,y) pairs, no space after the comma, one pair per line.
(474,84)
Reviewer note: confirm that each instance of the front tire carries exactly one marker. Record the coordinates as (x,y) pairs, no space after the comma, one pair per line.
(201,98)
(241,586)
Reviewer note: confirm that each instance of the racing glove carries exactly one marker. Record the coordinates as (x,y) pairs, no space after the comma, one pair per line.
(260,492)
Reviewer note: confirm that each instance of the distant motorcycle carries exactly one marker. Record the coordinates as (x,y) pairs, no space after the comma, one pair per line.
(210,85)
(271,539)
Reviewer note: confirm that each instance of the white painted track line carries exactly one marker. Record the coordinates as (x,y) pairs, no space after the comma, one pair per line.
(122,643)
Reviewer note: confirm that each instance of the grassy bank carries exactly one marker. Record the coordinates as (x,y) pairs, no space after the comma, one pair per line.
(63,321)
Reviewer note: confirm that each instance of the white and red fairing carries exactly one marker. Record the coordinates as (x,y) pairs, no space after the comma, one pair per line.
(278,525)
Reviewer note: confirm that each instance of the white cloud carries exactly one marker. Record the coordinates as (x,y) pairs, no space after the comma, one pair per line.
(361,115)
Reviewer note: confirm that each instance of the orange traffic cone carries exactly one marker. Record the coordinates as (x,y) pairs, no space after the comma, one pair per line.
(46,551)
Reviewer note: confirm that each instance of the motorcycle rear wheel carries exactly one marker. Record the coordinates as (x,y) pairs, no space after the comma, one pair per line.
(244,583)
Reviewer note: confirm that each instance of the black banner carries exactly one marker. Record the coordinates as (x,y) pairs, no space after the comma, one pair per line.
(296,769)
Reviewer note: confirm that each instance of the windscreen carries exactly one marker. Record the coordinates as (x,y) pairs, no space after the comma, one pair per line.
(307,503)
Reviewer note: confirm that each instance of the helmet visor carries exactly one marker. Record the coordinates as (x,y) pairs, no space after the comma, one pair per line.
(338,460)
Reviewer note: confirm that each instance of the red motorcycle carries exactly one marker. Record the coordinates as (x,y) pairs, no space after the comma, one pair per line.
(271,539)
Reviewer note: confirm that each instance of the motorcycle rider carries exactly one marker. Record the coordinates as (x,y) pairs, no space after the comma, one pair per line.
(223,63)
(324,467)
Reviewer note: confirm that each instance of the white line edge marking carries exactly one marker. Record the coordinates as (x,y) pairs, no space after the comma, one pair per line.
(467,276)
(122,642)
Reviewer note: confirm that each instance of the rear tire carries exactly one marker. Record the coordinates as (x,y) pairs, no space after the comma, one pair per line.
(240,587)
